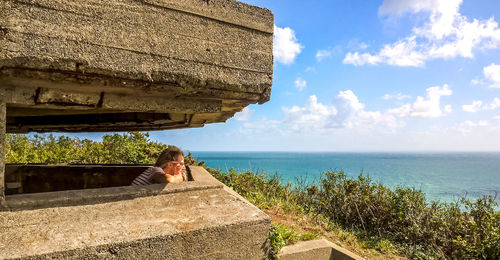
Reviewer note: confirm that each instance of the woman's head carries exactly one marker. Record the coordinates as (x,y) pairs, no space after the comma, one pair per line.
(171,154)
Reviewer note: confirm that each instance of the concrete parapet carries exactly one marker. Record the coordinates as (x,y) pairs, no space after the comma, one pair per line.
(203,223)
(320,249)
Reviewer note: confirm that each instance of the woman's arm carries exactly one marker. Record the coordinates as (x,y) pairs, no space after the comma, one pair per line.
(167,178)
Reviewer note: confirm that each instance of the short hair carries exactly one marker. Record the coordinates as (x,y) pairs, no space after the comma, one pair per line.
(168,155)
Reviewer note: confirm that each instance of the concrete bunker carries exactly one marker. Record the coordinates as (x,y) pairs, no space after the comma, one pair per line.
(36,178)
(96,66)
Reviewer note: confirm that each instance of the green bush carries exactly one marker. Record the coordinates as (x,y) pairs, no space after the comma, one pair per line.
(404,217)
(128,148)
(398,220)
(281,235)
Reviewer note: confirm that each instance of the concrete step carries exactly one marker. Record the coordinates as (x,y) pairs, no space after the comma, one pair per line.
(320,249)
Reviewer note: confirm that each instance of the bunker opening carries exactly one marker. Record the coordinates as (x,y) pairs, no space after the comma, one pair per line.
(36,178)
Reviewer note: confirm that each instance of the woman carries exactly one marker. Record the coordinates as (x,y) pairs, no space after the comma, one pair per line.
(168,168)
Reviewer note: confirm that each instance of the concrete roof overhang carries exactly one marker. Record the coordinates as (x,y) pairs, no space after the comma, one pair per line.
(92,66)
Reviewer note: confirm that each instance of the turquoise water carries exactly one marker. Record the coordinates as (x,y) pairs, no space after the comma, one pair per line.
(442,176)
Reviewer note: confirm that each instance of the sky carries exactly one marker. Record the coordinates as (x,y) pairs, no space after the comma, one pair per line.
(357,75)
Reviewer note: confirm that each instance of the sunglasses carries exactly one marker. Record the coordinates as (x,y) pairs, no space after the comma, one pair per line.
(176,162)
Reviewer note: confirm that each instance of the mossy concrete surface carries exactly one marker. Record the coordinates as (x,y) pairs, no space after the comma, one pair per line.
(208,223)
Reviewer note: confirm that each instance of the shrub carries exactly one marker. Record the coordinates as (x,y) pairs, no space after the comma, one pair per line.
(128,148)
(281,235)
(398,220)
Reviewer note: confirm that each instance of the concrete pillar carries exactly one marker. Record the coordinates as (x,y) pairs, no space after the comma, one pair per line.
(3,121)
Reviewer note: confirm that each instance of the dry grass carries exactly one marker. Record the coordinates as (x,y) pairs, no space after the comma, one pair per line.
(308,224)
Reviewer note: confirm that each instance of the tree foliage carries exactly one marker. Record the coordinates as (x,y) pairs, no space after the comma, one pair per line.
(128,148)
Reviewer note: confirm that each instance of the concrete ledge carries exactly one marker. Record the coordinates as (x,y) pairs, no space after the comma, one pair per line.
(208,223)
(202,180)
(316,250)
(95,196)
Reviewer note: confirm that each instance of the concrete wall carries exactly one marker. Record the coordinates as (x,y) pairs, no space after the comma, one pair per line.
(178,222)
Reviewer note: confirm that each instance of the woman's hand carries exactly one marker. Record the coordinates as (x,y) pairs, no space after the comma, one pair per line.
(173,172)
(174,178)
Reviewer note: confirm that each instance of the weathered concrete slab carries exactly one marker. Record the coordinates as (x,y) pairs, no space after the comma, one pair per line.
(186,224)
(202,59)
(320,249)
(77,194)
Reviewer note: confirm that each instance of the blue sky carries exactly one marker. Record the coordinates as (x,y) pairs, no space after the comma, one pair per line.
(352,75)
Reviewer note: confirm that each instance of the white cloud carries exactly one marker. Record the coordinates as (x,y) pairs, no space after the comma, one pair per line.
(310,69)
(244,115)
(387,97)
(494,104)
(474,107)
(357,59)
(285,45)
(402,6)
(312,115)
(322,54)
(402,111)
(477,81)
(492,74)
(261,127)
(328,53)
(355,44)
(425,107)
(398,96)
(445,34)
(349,100)
(363,45)
(467,126)
(300,83)
(402,53)
(478,105)
(345,112)
(475,124)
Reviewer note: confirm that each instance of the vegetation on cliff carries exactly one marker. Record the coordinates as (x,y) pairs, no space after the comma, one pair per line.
(400,221)
(397,220)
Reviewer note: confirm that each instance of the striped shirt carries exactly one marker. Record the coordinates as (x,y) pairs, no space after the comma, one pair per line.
(146,178)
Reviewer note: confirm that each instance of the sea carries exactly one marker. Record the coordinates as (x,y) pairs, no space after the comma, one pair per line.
(443,176)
